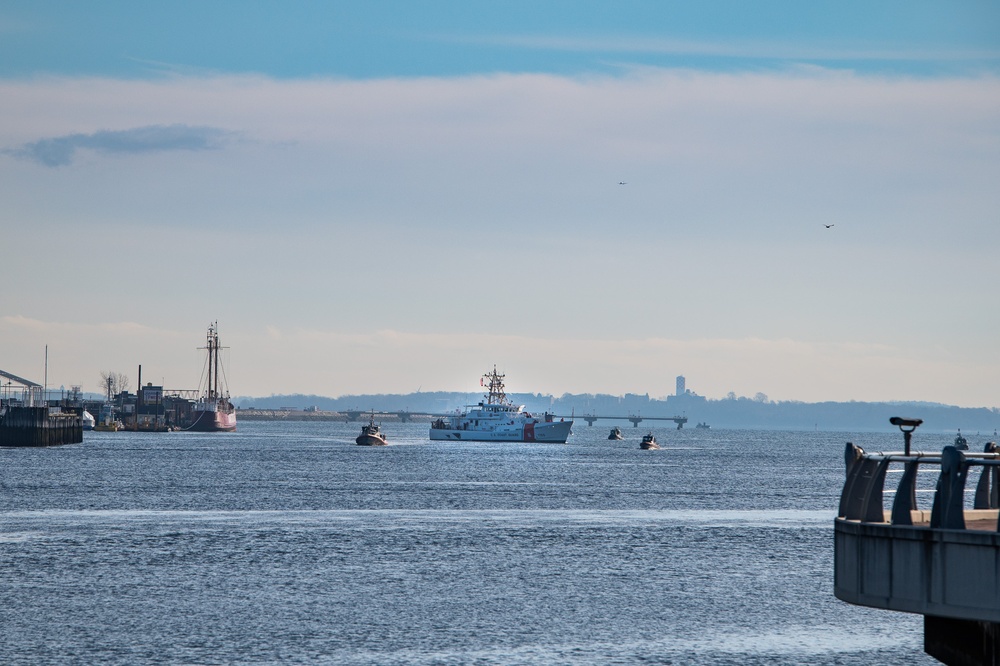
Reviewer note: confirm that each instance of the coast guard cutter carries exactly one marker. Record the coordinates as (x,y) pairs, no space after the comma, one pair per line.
(498,420)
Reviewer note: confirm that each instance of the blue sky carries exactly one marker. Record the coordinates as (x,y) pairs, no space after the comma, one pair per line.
(445,38)
(376,197)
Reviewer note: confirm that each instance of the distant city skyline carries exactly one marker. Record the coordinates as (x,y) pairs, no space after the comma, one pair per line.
(385,197)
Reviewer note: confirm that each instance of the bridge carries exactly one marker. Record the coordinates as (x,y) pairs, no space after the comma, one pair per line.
(405,416)
(635,419)
(943,563)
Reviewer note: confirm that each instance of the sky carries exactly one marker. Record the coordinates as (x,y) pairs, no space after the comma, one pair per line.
(779,197)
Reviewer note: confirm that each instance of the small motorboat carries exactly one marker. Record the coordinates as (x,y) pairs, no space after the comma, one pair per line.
(88,420)
(648,442)
(371,434)
(616,433)
(960,442)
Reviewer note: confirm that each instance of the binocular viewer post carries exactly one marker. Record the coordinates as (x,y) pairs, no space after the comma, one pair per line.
(907,426)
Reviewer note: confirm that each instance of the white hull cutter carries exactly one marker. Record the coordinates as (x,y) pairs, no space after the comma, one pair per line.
(497,420)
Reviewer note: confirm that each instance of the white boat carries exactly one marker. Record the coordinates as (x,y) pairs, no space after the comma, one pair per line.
(498,420)
(88,420)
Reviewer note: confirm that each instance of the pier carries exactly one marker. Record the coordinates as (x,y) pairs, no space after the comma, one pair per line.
(29,421)
(40,426)
(942,562)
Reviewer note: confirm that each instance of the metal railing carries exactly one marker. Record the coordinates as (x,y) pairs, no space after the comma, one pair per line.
(864,488)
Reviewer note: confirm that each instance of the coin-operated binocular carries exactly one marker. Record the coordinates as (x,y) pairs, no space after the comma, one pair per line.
(907,426)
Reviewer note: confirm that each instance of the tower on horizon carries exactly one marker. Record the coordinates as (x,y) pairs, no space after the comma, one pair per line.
(680,385)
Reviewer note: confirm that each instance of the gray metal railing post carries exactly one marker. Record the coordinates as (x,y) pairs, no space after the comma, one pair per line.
(906,495)
(948,511)
(872,509)
(865,477)
(989,480)
(853,456)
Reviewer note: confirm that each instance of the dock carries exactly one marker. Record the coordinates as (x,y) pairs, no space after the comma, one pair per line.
(942,562)
(30,421)
(40,426)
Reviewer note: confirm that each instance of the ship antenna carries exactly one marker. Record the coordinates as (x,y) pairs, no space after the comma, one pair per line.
(215,339)
(496,396)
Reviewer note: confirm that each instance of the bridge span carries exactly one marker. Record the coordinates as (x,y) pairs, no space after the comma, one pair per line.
(406,416)
(635,419)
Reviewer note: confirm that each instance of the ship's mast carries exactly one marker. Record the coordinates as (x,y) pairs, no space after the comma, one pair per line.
(215,338)
(211,363)
(496,396)
(212,389)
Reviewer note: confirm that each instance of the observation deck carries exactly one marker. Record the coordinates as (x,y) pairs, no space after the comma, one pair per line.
(942,562)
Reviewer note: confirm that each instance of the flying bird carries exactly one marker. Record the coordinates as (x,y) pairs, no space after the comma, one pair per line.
(827,225)
(622,182)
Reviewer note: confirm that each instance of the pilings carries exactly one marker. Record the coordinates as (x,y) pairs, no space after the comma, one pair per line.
(39,426)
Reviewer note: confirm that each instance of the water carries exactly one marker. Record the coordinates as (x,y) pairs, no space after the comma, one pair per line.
(289,544)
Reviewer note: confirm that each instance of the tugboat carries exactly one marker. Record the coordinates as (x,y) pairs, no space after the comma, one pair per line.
(648,443)
(371,434)
(498,420)
(616,433)
(703,426)
(960,442)
(106,421)
(213,412)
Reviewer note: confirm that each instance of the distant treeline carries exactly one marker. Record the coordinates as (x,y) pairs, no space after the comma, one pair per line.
(730,412)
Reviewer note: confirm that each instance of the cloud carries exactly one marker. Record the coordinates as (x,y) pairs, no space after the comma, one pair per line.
(414,183)
(60,150)
(769,50)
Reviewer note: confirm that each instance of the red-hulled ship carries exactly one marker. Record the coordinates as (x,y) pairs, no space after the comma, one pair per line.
(214,412)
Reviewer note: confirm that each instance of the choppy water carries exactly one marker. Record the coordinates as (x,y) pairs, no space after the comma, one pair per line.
(287,543)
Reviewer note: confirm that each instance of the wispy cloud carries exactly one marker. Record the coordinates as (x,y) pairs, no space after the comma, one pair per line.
(729,178)
(60,150)
(750,49)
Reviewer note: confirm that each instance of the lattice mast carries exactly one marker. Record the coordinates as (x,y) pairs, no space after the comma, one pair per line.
(212,345)
(494,381)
